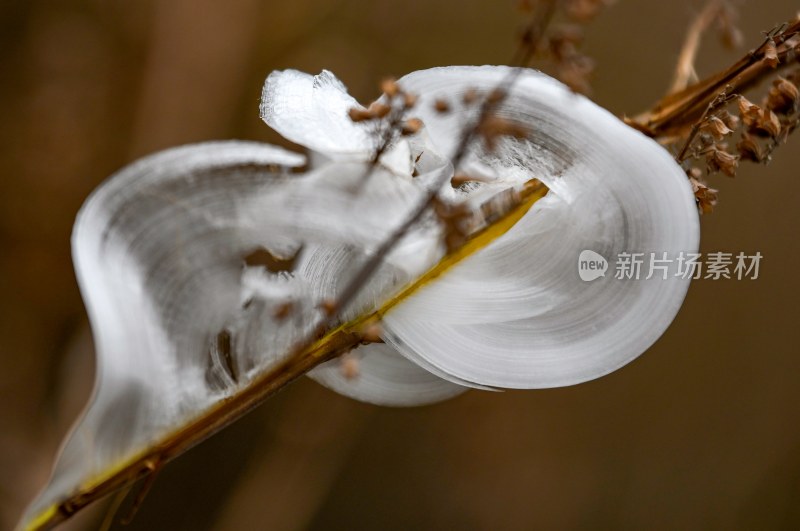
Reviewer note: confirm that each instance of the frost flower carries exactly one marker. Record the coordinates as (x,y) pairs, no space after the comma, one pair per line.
(202,266)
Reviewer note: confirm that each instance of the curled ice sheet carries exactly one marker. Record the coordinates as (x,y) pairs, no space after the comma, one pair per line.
(186,258)
(312,111)
(203,265)
(517,314)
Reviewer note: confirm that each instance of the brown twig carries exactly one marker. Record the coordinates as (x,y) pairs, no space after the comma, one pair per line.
(684,70)
(533,34)
(722,98)
(674,115)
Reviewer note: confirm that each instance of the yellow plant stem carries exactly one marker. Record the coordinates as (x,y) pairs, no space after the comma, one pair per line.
(331,345)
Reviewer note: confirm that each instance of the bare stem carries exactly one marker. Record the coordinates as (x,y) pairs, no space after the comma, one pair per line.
(533,34)
(675,114)
(722,98)
(684,70)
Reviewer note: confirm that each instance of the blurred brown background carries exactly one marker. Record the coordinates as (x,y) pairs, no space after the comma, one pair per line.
(701,432)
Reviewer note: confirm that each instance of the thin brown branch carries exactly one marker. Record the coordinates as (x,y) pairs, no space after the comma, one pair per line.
(722,98)
(674,115)
(192,433)
(533,34)
(684,70)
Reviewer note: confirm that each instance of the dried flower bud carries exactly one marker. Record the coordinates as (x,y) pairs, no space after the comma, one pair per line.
(694,173)
(371,333)
(767,124)
(441,106)
(359,115)
(771,54)
(411,127)
(705,139)
(720,160)
(379,110)
(748,111)
(783,96)
(716,127)
(729,119)
(389,87)
(750,149)
(349,365)
(705,197)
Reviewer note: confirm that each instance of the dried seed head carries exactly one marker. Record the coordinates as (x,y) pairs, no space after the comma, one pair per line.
(705,140)
(359,115)
(771,54)
(411,127)
(716,127)
(389,87)
(730,120)
(767,124)
(694,173)
(379,110)
(750,149)
(718,159)
(371,333)
(705,197)
(350,366)
(783,96)
(748,111)
(441,106)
